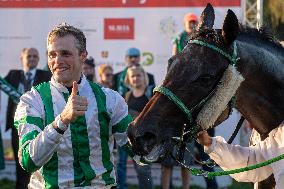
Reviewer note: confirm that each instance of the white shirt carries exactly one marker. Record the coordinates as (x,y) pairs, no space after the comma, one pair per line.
(21,87)
(235,156)
(32,71)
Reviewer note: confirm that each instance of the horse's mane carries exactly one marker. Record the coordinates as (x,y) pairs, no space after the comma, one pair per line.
(262,37)
(263,34)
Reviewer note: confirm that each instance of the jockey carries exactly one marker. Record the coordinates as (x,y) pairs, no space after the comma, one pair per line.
(67,126)
(229,156)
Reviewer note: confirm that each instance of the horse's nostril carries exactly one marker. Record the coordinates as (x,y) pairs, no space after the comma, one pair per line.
(149,136)
(146,142)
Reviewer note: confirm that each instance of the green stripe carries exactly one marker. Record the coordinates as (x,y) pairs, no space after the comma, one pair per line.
(78,172)
(79,129)
(27,162)
(121,128)
(122,125)
(83,172)
(30,120)
(29,136)
(50,169)
(104,133)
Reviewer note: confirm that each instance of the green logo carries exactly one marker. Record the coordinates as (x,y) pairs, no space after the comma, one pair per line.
(149,58)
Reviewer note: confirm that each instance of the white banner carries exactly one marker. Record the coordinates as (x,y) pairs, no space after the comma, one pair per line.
(111,27)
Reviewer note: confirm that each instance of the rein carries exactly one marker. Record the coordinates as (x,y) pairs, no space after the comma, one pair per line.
(210,175)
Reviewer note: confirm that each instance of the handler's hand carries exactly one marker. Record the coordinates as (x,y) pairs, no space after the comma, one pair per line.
(204,139)
(75,106)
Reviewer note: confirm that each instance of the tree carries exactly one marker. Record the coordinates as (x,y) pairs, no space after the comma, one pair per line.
(274,12)
(274,16)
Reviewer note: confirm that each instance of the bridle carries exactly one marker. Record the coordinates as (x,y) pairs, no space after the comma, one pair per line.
(191,133)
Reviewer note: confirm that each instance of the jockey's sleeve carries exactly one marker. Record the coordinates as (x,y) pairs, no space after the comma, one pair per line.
(37,143)
(120,119)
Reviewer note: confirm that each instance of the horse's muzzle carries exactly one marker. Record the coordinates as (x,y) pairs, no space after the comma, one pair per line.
(142,143)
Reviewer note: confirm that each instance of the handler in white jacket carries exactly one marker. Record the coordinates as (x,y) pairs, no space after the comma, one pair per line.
(67,126)
(229,156)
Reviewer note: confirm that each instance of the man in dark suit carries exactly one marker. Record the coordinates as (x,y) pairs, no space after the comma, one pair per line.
(132,57)
(23,80)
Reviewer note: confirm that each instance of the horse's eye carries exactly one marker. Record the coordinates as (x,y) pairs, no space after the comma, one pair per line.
(205,79)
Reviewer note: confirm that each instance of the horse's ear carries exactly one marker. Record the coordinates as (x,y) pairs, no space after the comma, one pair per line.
(207,18)
(230,28)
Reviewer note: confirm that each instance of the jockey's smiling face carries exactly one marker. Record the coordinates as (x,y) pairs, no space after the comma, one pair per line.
(64,59)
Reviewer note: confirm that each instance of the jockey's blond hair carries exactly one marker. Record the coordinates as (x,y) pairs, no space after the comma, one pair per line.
(63,30)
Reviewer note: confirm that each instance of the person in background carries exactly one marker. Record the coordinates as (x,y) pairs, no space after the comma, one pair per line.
(89,69)
(137,97)
(167,165)
(190,22)
(105,76)
(132,57)
(23,80)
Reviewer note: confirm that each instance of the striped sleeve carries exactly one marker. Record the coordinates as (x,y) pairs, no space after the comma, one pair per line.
(122,125)
(35,146)
(120,119)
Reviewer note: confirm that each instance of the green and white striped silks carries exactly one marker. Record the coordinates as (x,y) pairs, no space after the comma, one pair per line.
(83,155)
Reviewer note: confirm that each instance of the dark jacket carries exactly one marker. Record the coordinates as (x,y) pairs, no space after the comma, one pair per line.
(15,77)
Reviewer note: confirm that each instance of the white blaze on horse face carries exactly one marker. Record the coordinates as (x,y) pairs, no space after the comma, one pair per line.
(210,112)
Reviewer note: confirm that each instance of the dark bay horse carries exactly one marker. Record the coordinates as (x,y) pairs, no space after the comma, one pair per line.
(196,72)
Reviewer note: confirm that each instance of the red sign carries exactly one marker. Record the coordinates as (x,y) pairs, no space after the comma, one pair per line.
(119,28)
(115,3)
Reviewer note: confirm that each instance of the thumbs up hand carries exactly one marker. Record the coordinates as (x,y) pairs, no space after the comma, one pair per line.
(76,106)
(74,89)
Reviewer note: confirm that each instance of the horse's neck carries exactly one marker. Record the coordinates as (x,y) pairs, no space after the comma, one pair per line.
(260,98)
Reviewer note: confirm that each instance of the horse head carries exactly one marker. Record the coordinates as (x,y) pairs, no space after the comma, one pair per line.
(197,89)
